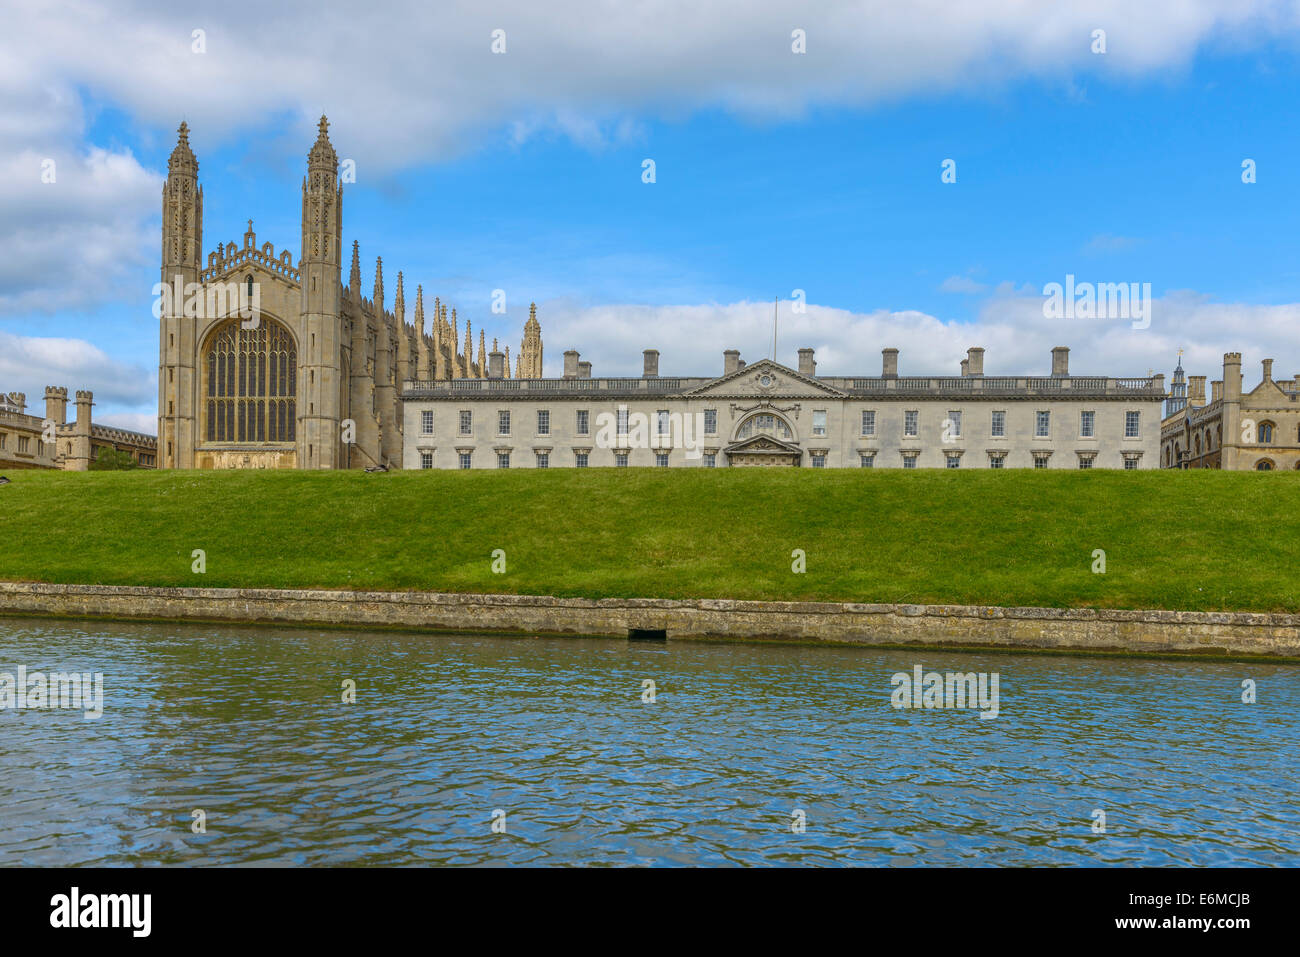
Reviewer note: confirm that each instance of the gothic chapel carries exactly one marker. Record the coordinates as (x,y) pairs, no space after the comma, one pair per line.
(315,382)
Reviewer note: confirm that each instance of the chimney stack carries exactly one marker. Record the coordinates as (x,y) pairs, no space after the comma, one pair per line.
(496,365)
(584,370)
(975,361)
(571,364)
(965,368)
(889,365)
(650,364)
(1268,370)
(1060,362)
(1196,391)
(730,361)
(807,364)
(1216,390)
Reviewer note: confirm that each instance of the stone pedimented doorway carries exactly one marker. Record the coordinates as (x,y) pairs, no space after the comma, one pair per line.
(764,450)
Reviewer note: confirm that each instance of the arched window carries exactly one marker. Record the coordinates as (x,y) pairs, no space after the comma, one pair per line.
(252,378)
(1263,465)
(765,423)
(1266,433)
(1197,440)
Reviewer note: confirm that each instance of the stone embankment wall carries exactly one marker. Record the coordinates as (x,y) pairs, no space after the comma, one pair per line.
(1079,630)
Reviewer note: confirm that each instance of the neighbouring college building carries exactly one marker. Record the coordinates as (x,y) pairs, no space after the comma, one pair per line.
(766,413)
(1257,430)
(76,444)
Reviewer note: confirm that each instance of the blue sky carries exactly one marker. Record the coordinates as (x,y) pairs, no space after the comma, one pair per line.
(1111,174)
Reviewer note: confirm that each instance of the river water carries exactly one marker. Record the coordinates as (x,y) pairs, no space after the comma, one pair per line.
(748,754)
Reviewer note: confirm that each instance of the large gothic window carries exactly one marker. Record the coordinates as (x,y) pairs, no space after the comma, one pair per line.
(252,377)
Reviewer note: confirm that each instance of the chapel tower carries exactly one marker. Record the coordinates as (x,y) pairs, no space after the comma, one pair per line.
(182,252)
(323,380)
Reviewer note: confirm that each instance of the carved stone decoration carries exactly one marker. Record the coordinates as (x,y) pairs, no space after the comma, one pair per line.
(245,460)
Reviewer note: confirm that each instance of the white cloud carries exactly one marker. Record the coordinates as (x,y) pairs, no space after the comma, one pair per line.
(80,240)
(410,81)
(146,422)
(30,363)
(1017,338)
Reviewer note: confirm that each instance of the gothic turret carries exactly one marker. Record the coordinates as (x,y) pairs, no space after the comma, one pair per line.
(530,349)
(182,255)
(421,344)
(320,438)
(439,369)
(403,338)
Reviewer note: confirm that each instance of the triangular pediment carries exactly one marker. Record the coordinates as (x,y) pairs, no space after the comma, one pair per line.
(763,444)
(766,378)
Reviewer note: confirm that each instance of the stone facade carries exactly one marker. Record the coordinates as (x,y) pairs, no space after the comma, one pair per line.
(76,444)
(1242,635)
(771,414)
(1252,431)
(312,381)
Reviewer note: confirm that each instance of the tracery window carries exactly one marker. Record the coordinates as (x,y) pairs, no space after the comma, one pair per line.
(252,381)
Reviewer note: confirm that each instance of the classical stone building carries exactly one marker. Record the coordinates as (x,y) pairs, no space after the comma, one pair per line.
(771,414)
(76,444)
(1257,430)
(312,379)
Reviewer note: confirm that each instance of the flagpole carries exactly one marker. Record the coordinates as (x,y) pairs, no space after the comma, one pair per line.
(775,300)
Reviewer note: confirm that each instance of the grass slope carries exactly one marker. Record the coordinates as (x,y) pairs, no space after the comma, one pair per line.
(1179,540)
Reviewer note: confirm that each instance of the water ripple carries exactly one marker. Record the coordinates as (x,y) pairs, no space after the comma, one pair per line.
(249,726)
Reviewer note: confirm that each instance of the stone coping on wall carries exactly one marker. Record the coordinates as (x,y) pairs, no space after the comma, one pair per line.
(1229,634)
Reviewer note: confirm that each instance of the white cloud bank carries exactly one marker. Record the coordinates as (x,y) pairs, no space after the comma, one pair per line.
(413,80)
(1011,328)
(30,363)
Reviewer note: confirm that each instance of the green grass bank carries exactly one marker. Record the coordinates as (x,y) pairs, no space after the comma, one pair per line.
(1206,541)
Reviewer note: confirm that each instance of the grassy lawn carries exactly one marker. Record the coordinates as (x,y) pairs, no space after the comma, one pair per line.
(1178,540)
